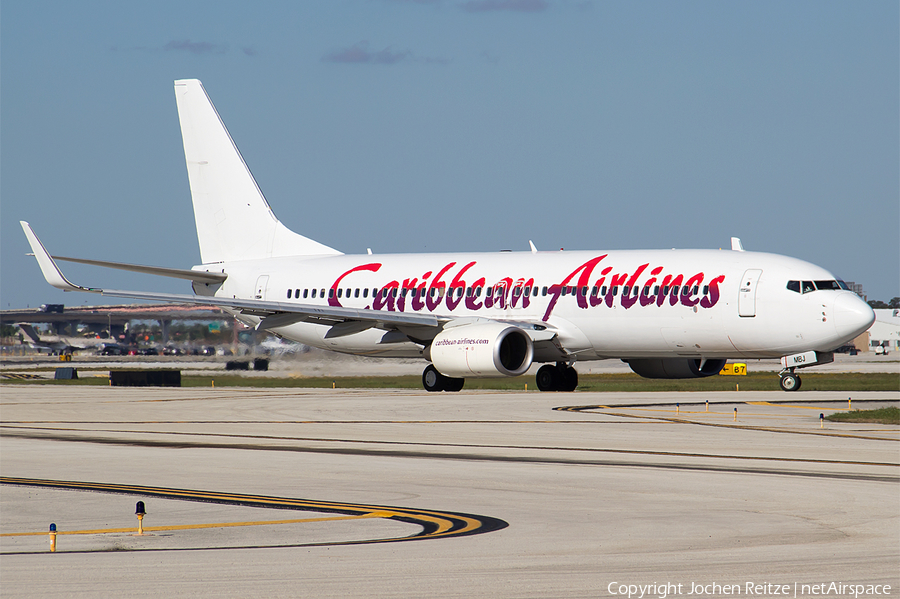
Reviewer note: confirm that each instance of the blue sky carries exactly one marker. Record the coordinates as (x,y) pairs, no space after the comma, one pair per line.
(415,126)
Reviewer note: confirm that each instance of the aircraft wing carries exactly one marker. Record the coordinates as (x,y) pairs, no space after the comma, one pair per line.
(343,321)
(274,314)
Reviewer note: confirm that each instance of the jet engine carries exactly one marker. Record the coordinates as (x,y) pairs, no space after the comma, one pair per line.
(676,368)
(490,349)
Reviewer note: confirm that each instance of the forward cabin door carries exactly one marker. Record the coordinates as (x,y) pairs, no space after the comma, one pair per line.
(747,297)
(261,283)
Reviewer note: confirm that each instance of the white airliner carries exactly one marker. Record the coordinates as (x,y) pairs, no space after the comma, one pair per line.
(667,313)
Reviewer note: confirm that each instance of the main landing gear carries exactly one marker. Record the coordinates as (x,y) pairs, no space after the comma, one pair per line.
(433,380)
(557,378)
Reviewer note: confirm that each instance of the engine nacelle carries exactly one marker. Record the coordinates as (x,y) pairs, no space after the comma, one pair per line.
(482,350)
(676,368)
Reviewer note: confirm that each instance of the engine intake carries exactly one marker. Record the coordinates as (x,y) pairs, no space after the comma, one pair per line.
(676,368)
(491,349)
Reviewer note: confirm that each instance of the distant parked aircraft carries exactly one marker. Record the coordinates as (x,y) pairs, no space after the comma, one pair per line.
(57,344)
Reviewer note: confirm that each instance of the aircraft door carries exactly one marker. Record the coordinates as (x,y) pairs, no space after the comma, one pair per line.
(261,284)
(747,297)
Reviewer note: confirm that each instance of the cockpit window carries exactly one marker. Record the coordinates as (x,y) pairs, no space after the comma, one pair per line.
(827,285)
(810,286)
(843,285)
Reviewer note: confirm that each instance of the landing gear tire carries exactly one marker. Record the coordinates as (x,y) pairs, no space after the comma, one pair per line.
(570,379)
(547,378)
(433,381)
(790,382)
(557,377)
(454,385)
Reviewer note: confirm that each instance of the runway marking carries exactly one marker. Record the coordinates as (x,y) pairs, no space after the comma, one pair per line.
(199,526)
(434,524)
(540,460)
(769,403)
(819,432)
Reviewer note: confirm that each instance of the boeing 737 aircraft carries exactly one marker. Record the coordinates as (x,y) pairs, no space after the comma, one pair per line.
(667,313)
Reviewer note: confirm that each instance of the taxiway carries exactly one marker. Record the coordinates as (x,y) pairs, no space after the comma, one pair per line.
(321,493)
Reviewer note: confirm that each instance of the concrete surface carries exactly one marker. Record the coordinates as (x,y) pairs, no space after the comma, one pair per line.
(318,363)
(637,492)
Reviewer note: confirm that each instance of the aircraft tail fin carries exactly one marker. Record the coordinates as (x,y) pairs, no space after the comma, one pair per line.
(29,330)
(233,218)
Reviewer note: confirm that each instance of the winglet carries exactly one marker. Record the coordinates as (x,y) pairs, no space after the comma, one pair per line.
(736,244)
(533,248)
(49,268)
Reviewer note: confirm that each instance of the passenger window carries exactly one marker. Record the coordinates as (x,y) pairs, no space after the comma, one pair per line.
(626,290)
(289,294)
(528,291)
(366,292)
(603,290)
(544,291)
(331,293)
(706,290)
(305,293)
(615,290)
(340,293)
(356,292)
(665,290)
(583,291)
(807,286)
(674,289)
(314,293)
(534,292)
(656,290)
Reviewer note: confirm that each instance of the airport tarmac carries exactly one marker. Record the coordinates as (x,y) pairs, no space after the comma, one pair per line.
(318,363)
(254,492)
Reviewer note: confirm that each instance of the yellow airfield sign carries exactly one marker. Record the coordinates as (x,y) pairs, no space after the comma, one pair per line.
(734,369)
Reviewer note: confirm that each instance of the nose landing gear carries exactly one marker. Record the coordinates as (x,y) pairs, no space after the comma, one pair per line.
(790,381)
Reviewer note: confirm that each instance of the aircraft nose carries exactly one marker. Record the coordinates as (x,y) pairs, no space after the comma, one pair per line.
(852,316)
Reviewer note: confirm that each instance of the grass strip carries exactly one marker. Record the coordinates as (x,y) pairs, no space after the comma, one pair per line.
(618,382)
(890,415)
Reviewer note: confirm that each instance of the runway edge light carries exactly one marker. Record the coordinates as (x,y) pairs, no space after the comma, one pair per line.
(140,512)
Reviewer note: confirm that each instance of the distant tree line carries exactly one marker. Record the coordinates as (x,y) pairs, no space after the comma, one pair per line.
(894,303)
